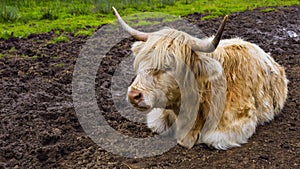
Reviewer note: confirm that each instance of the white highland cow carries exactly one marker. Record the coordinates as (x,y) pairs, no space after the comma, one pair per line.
(237,86)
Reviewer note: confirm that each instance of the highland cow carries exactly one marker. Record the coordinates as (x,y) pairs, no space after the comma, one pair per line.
(233,84)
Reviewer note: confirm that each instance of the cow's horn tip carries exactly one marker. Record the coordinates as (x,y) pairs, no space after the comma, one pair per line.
(115,10)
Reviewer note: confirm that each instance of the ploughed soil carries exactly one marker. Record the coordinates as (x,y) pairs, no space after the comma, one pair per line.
(40,129)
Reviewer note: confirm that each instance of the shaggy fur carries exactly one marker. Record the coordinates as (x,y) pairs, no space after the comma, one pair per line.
(237,86)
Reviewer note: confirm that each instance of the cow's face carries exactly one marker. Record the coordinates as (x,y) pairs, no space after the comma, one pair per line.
(162,66)
(155,85)
(152,87)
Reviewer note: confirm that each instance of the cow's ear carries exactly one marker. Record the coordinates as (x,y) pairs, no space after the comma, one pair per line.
(207,68)
(136,47)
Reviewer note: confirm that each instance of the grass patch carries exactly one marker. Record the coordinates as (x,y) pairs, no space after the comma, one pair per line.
(20,18)
(49,14)
(149,18)
(59,65)
(34,57)
(61,38)
(268,10)
(8,14)
(84,33)
(58,39)
(12,49)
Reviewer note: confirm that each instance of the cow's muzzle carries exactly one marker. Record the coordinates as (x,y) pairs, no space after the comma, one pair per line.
(136,98)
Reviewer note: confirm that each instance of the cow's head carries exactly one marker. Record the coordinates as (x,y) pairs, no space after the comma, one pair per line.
(162,62)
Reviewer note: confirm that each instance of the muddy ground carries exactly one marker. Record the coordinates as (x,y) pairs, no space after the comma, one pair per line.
(39,127)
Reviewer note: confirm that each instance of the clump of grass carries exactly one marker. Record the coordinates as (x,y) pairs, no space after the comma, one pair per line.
(59,65)
(77,10)
(268,10)
(167,2)
(84,32)
(104,6)
(57,32)
(49,14)
(8,14)
(61,38)
(12,49)
(5,34)
(189,1)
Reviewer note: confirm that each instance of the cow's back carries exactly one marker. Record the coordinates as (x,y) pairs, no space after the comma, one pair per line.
(254,80)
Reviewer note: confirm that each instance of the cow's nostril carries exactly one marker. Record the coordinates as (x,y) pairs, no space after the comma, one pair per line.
(135,96)
(138,96)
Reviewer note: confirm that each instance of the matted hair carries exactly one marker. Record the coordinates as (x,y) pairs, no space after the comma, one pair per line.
(162,49)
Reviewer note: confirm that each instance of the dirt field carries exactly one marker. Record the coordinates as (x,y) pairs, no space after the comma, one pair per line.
(39,127)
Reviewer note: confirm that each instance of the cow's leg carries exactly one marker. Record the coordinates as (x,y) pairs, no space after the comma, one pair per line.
(159,120)
(232,130)
(190,138)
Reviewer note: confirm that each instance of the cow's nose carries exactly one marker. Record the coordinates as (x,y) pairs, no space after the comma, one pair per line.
(135,96)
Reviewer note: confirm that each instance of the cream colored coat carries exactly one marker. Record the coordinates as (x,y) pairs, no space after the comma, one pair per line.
(238,87)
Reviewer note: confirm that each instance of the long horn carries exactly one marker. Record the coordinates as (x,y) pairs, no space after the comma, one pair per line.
(207,46)
(142,36)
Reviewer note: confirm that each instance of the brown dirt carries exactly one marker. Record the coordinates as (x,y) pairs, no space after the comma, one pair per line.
(39,127)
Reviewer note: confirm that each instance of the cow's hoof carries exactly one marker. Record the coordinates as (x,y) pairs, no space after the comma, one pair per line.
(188,141)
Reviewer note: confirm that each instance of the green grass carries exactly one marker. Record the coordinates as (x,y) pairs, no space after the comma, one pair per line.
(12,49)
(268,10)
(84,33)
(34,57)
(149,18)
(58,39)
(20,18)
(59,64)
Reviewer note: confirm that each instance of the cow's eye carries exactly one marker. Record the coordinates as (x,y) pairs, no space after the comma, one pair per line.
(168,69)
